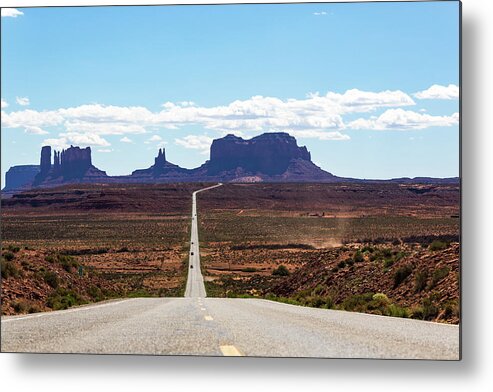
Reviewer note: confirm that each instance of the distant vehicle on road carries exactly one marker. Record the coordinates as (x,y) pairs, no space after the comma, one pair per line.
(191,266)
(191,253)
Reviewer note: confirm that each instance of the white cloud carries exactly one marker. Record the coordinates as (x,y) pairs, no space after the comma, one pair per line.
(320,13)
(23,101)
(66,139)
(126,139)
(35,130)
(105,150)
(28,117)
(314,116)
(321,135)
(153,139)
(403,120)
(11,12)
(439,92)
(196,142)
(4,104)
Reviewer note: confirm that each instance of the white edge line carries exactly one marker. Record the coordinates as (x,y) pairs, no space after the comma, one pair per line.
(82,308)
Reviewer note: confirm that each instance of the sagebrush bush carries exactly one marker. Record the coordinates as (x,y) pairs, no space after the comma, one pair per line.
(9,269)
(9,256)
(438,275)
(420,281)
(358,257)
(438,245)
(281,271)
(51,279)
(401,274)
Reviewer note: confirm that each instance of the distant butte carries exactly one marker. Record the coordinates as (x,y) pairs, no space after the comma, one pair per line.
(270,157)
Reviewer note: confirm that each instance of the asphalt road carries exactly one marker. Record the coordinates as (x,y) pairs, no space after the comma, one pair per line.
(215,326)
(195,282)
(196,325)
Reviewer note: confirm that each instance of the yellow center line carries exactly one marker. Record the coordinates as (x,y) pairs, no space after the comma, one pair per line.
(230,351)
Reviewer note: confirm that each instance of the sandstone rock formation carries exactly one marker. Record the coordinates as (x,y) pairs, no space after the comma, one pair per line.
(269,153)
(19,177)
(270,157)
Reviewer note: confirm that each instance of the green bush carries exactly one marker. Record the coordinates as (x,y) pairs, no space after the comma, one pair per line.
(51,279)
(13,248)
(358,257)
(62,299)
(388,263)
(341,264)
(9,256)
(281,271)
(438,275)
(397,311)
(430,310)
(33,308)
(249,269)
(50,259)
(420,281)
(357,302)
(9,269)
(401,274)
(20,306)
(438,245)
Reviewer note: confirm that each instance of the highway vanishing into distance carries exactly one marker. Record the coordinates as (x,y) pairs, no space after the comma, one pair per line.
(196,325)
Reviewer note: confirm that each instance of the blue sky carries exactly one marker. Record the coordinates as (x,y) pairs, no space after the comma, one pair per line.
(371,89)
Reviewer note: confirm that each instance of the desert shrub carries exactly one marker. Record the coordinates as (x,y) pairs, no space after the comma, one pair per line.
(51,279)
(358,257)
(319,289)
(386,252)
(20,306)
(62,299)
(9,256)
(367,249)
(68,262)
(380,299)
(399,255)
(397,311)
(401,274)
(420,281)
(33,308)
(388,263)
(341,264)
(334,269)
(438,245)
(350,262)
(249,269)
(13,248)
(281,271)
(50,259)
(357,302)
(438,275)
(396,242)
(8,269)
(430,310)
(451,309)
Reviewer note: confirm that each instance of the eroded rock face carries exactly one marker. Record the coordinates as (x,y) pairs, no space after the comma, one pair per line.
(22,176)
(269,153)
(45,162)
(75,162)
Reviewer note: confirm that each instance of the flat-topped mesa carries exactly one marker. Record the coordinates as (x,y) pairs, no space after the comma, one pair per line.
(269,153)
(19,177)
